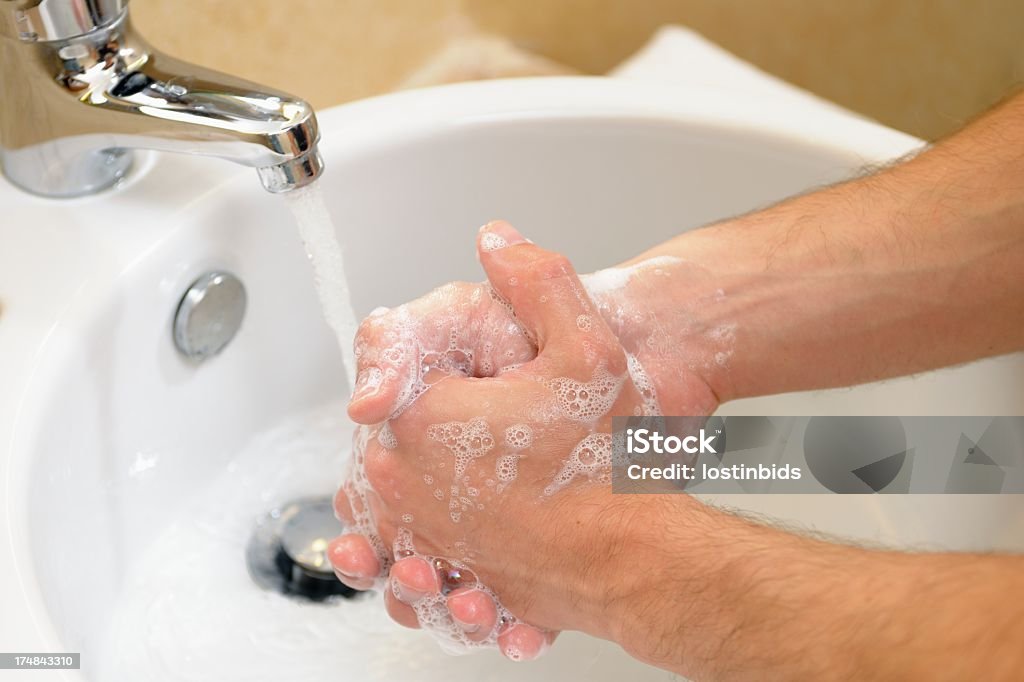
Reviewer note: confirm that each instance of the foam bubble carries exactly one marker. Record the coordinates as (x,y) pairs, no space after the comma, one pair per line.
(432,609)
(615,279)
(644,385)
(386,437)
(491,241)
(370,378)
(506,469)
(724,333)
(416,351)
(587,401)
(592,458)
(465,440)
(519,436)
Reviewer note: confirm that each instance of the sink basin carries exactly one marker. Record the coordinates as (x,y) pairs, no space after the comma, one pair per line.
(132,477)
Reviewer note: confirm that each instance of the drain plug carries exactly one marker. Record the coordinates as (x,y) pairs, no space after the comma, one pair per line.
(288,551)
(209,315)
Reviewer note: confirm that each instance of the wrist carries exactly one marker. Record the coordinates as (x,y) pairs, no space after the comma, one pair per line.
(674,596)
(662,310)
(655,554)
(697,577)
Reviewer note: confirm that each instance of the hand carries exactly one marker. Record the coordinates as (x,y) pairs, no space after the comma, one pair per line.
(460,329)
(672,344)
(490,475)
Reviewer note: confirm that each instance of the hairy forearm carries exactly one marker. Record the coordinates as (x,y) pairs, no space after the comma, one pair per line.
(722,598)
(916,267)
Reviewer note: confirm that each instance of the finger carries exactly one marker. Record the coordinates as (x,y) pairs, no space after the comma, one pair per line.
(522,642)
(401,613)
(414,578)
(384,365)
(372,398)
(542,287)
(474,611)
(354,561)
(342,507)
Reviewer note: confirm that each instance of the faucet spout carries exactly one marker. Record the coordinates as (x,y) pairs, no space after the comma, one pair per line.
(76,105)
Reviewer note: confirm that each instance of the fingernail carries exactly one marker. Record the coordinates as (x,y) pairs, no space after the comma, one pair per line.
(343,556)
(405,593)
(367,383)
(498,235)
(354,582)
(523,643)
(343,576)
(354,575)
(468,628)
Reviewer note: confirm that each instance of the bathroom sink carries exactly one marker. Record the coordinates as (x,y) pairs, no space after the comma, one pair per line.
(132,477)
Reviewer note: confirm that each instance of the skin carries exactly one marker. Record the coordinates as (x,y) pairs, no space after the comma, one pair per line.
(918,266)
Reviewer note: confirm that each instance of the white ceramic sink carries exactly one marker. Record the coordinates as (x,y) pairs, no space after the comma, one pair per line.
(125,500)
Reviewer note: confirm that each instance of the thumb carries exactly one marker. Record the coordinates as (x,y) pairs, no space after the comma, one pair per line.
(541,286)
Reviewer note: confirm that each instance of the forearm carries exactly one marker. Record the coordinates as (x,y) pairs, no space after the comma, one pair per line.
(917,267)
(723,598)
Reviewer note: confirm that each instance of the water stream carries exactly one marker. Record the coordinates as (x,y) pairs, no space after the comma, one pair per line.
(326,258)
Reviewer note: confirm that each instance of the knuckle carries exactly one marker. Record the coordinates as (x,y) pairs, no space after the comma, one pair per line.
(552,265)
(371,325)
(611,354)
(616,361)
(426,409)
(381,471)
(444,295)
(593,353)
(342,508)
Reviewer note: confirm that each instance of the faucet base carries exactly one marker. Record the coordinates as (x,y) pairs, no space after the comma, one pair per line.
(44,171)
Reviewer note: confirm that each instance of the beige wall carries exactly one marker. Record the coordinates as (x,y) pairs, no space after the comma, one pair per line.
(923,66)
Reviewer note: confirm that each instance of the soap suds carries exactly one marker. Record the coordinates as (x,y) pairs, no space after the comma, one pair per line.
(587,401)
(591,458)
(491,241)
(611,280)
(519,436)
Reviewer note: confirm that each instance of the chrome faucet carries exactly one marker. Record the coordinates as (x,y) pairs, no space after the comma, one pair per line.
(80,89)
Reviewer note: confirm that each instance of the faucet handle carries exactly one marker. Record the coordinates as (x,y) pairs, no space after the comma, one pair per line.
(51,20)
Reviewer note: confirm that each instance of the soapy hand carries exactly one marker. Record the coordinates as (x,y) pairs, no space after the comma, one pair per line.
(479,481)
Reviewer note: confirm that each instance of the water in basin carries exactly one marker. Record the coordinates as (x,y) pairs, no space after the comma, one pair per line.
(189,611)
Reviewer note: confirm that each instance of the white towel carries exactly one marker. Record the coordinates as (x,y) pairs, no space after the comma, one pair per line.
(681,57)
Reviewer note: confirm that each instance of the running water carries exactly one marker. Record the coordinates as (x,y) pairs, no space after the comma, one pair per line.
(324,252)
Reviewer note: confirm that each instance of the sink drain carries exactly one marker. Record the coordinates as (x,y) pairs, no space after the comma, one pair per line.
(288,551)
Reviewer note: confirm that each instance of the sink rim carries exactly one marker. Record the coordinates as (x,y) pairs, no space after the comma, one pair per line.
(26,348)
